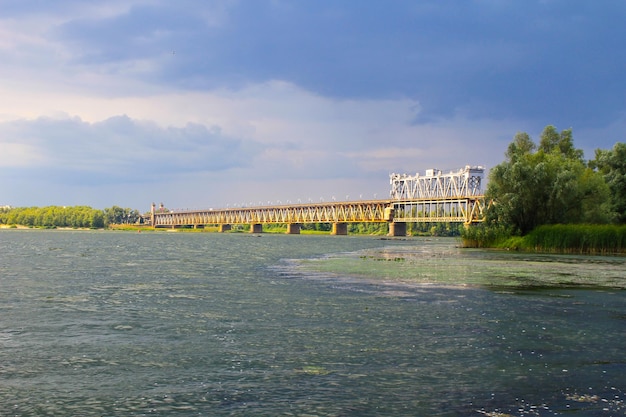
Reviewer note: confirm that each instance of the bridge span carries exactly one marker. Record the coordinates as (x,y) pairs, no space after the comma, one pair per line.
(436,197)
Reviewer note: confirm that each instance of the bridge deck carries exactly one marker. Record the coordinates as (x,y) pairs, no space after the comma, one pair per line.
(454,210)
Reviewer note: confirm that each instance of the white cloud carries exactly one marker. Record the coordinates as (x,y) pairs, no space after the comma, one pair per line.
(247,140)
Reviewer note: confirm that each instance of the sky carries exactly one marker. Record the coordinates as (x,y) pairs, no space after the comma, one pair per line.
(223,103)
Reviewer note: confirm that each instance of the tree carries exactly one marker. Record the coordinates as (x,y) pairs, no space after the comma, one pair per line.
(58,216)
(547,186)
(118,215)
(97,219)
(522,145)
(611,164)
(554,142)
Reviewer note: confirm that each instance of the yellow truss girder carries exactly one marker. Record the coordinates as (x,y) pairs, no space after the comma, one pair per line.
(462,210)
(444,210)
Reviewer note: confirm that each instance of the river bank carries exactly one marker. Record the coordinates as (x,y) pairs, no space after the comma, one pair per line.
(22,227)
(583,239)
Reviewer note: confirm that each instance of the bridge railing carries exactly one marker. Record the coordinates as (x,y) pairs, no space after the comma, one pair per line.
(454,210)
(335,212)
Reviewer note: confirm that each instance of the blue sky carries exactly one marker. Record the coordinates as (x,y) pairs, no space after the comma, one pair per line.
(203,103)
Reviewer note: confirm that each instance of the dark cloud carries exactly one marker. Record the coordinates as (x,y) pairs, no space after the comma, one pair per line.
(121,150)
(561,60)
(143,32)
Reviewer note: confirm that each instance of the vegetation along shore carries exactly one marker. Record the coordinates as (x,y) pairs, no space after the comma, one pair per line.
(76,217)
(548,198)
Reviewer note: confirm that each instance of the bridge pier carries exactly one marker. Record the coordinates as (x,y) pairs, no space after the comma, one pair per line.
(397,229)
(256,228)
(340,229)
(293,228)
(224,228)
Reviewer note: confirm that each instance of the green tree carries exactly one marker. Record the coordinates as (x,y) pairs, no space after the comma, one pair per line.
(547,186)
(57,216)
(563,143)
(119,215)
(522,145)
(612,165)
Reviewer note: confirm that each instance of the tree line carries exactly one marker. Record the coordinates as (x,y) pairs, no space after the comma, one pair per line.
(550,183)
(74,216)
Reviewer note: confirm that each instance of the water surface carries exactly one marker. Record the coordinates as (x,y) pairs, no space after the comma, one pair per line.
(177,324)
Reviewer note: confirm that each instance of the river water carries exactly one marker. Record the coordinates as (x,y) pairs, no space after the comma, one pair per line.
(182,324)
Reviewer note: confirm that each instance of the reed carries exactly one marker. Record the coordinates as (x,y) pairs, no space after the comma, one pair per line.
(577,238)
(558,238)
(482,236)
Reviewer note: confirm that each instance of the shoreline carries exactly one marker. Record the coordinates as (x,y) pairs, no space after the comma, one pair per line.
(20,227)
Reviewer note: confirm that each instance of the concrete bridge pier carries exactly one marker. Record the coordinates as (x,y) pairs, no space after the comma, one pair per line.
(224,228)
(293,228)
(340,229)
(256,228)
(397,229)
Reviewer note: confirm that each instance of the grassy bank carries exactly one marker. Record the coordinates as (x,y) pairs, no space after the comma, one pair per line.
(580,238)
(558,238)
(484,237)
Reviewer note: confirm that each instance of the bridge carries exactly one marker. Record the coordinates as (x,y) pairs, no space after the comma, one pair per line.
(453,197)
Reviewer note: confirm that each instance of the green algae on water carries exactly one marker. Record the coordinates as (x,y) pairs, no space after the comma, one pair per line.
(441,262)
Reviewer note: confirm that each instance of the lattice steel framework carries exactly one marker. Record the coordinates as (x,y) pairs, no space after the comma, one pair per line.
(434,197)
(336,212)
(461,210)
(468,210)
(435,184)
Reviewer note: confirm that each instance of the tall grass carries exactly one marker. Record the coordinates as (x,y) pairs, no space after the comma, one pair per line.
(482,236)
(557,238)
(578,238)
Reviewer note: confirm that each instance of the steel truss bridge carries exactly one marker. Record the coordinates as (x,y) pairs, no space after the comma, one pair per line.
(453,197)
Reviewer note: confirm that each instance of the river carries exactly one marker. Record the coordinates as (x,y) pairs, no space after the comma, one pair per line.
(101,323)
